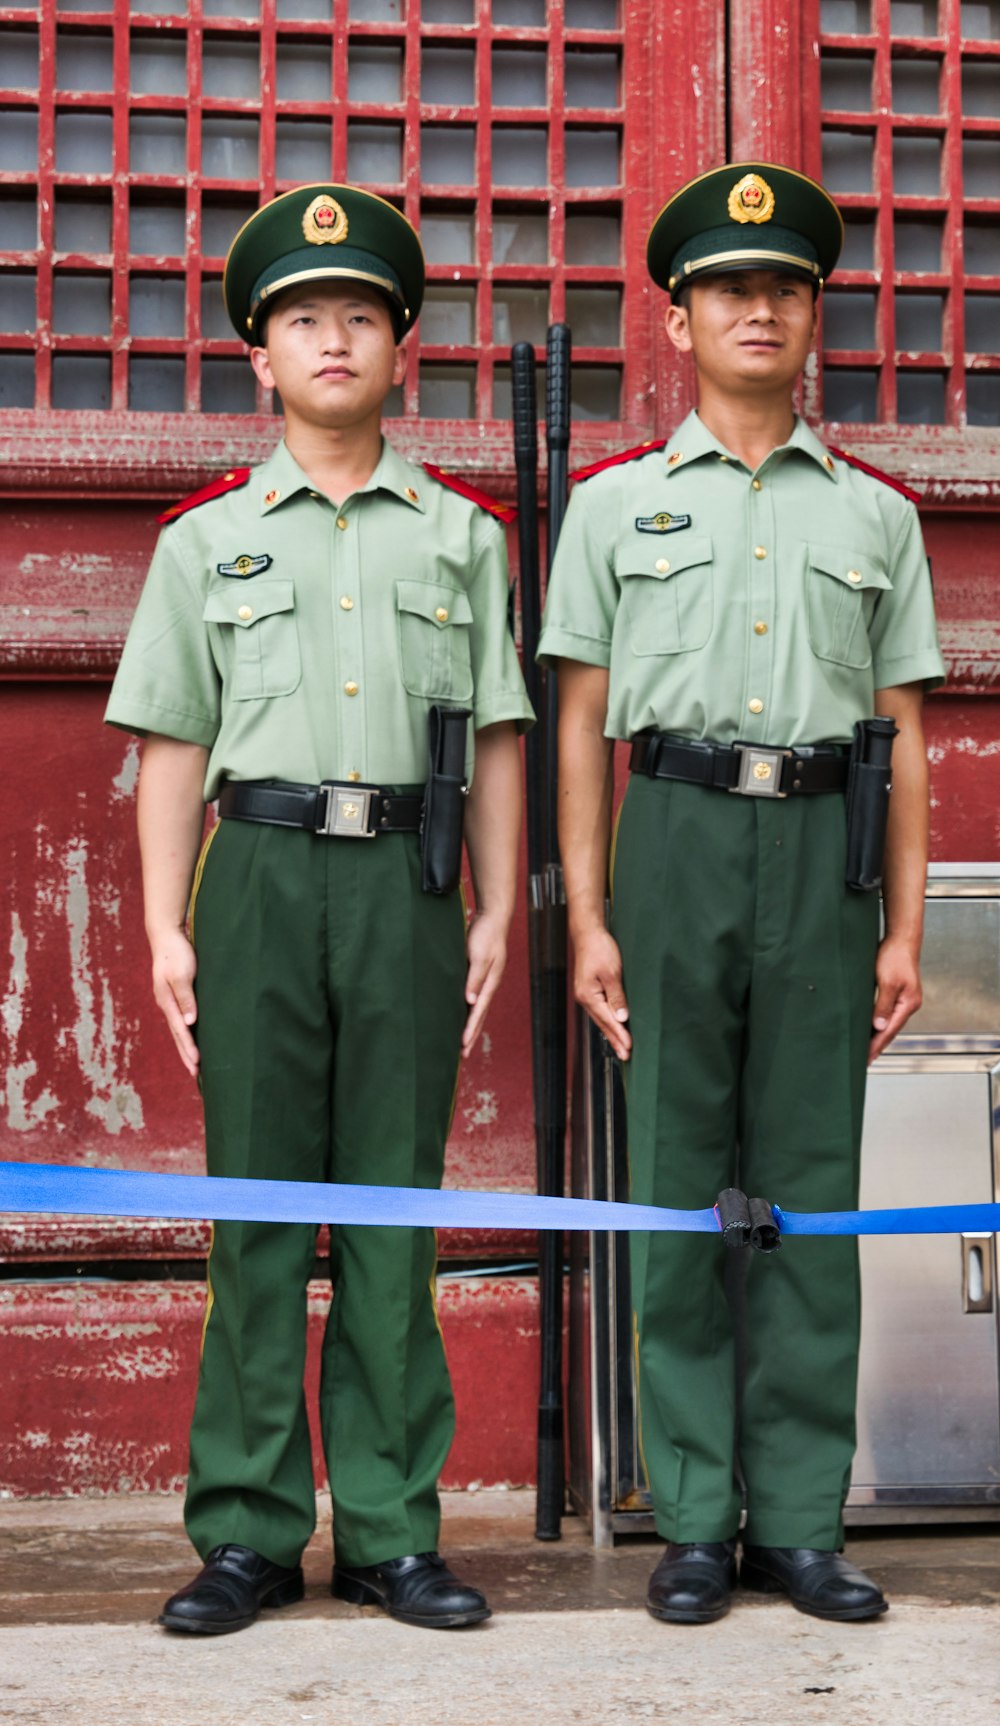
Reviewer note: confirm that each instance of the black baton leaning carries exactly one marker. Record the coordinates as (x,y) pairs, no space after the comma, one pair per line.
(552,1165)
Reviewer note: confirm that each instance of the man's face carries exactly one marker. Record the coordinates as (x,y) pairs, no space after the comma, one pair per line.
(330,350)
(747,331)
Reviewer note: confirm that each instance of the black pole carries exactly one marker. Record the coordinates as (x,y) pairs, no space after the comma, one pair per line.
(552,1163)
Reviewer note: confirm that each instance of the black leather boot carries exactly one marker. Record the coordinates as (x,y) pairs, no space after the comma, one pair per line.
(693,1581)
(417,1590)
(823,1583)
(229,1591)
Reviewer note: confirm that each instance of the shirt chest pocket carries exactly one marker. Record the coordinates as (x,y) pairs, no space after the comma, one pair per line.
(260,637)
(843,589)
(667,593)
(435,626)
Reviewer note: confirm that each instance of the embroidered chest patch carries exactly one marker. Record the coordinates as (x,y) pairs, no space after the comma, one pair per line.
(245,565)
(662,522)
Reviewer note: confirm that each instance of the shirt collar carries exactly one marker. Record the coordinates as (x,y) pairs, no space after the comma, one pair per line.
(280,478)
(692,441)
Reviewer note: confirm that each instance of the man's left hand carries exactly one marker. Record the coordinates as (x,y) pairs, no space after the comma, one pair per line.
(486,944)
(898,992)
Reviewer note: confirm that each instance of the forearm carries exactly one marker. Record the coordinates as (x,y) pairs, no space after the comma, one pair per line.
(907,838)
(171,818)
(493,821)
(586,788)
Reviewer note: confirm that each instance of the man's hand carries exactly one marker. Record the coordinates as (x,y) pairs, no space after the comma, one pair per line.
(486,945)
(174,967)
(597,985)
(898,992)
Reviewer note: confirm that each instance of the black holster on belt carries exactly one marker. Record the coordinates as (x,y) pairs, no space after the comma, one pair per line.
(869,782)
(444,799)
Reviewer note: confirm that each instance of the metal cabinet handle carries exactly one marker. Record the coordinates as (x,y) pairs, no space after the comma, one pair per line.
(977,1273)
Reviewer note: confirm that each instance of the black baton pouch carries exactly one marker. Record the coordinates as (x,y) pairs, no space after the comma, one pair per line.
(444,799)
(869,782)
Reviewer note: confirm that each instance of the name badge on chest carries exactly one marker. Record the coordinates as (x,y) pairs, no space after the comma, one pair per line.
(662,522)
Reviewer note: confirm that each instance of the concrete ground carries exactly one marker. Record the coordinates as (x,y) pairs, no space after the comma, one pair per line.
(81,1582)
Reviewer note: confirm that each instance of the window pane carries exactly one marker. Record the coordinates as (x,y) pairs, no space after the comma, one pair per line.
(20,60)
(520,155)
(227,387)
(83,62)
(18,140)
(374,152)
(593,239)
(81,381)
(18,220)
(520,314)
(17,381)
(155,385)
(220,224)
(982,248)
(595,393)
(980,20)
(918,243)
(229,147)
(980,167)
(448,75)
(849,396)
(916,167)
(846,83)
(594,315)
(230,67)
(302,149)
(981,88)
(447,155)
(447,392)
(157,144)
(921,398)
(17,302)
(847,161)
(983,397)
(982,323)
(156,306)
(591,157)
(919,322)
(520,78)
(321,10)
(520,237)
(448,238)
(374,73)
(859,243)
(845,17)
(215,325)
(592,14)
(302,71)
(448,315)
(914,17)
(82,224)
(848,320)
(156,228)
(81,305)
(158,66)
(528,13)
(83,144)
(915,86)
(437,11)
(591,80)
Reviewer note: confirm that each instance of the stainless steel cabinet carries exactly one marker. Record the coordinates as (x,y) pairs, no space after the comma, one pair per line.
(929,1382)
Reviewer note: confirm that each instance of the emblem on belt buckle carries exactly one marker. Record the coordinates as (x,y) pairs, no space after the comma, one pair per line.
(348,813)
(760,771)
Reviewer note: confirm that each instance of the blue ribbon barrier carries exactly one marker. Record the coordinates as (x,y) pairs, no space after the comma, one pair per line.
(56,1190)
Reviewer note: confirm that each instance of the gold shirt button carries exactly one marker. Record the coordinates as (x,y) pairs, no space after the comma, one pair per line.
(347,603)
(756,705)
(354,776)
(413,496)
(723,458)
(245,612)
(271,496)
(756,484)
(663,564)
(342,522)
(441,614)
(828,464)
(350,689)
(675,458)
(854,575)
(760,628)
(760,551)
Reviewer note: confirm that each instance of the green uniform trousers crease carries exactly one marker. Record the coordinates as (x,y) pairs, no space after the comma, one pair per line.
(749,972)
(330,1000)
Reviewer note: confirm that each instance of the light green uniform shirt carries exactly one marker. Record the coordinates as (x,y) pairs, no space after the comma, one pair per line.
(324,661)
(764,606)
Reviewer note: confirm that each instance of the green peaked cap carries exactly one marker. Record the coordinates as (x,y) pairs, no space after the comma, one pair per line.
(745,216)
(323,233)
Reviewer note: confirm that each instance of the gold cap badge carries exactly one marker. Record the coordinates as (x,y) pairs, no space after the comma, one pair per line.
(325,222)
(751,200)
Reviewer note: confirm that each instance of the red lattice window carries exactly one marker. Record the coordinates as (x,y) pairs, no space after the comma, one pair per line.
(909,95)
(134,141)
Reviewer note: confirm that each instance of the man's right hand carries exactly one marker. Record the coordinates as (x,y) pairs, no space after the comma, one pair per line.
(174,967)
(597,985)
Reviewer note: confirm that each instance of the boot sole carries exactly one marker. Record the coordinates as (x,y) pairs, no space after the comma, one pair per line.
(762,1582)
(284,1594)
(361,1594)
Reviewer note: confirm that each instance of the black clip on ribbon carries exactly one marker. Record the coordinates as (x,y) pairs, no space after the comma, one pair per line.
(747,1222)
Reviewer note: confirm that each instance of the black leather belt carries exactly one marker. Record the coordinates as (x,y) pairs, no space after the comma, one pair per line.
(747,768)
(334,809)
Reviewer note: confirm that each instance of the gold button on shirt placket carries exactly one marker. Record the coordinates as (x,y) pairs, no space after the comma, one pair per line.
(761,598)
(348,638)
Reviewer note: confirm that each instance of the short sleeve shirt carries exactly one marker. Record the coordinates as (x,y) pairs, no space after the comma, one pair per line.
(767,606)
(300,639)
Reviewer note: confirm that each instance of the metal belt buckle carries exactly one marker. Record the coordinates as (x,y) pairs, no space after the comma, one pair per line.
(348,812)
(760,771)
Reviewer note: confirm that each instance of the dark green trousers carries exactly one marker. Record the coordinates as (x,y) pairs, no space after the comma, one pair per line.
(330,1015)
(749,972)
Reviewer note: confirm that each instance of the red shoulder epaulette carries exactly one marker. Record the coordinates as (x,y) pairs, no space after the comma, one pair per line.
(876,473)
(623,455)
(236,476)
(502,511)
